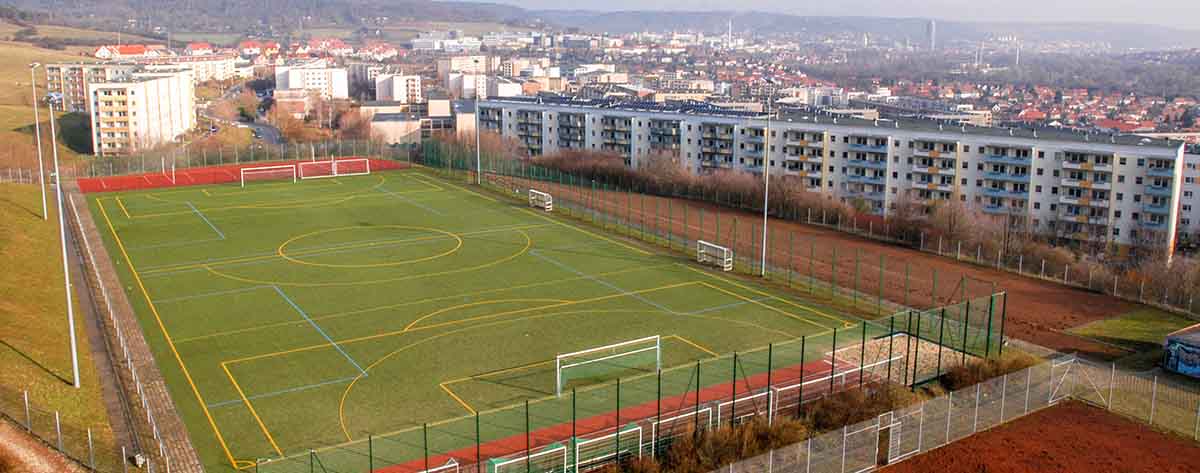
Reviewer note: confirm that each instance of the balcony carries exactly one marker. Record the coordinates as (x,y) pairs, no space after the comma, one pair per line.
(994,192)
(717,150)
(1003,176)
(1160,209)
(757,153)
(1087,166)
(802,173)
(753,139)
(869,148)
(998,159)
(1152,224)
(1086,184)
(1083,201)
(867,163)
(1161,191)
(933,186)
(932,153)
(864,179)
(868,195)
(1160,172)
(1003,210)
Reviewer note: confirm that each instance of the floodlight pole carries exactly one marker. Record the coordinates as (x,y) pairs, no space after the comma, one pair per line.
(766,185)
(478,149)
(37,126)
(62,235)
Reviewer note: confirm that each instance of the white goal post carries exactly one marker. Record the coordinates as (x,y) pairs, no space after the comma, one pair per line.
(334,168)
(596,358)
(716,255)
(541,200)
(279,172)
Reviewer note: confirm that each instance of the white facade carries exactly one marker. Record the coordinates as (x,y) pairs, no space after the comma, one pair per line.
(1083,187)
(329,82)
(467,86)
(503,87)
(144,111)
(398,88)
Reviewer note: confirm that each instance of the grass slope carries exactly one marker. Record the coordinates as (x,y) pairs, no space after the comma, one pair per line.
(34,351)
(1141,331)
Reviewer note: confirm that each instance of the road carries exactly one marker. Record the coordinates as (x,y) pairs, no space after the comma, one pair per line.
(269,134)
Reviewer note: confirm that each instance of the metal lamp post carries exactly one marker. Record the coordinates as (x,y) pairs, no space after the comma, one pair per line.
(766,182)
(62,234)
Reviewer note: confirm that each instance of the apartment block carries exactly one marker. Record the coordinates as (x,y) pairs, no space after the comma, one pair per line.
(141,111)
(71,81)
(398,88)
(314,76)
(1084,187)
(204,68)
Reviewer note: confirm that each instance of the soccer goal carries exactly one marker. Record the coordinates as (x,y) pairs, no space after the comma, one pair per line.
(268,173)
(168,173)
(600,363)
(334,168)
(716,255)
(541,200)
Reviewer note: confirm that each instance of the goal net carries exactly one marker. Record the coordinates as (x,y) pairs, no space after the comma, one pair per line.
(334,168)
(552,459)
(600,364)
(284,172)
(716,255)
(541,200)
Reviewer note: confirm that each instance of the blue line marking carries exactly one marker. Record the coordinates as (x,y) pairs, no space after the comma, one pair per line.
(283,391)
(602,282)
(210,224)
(208,294)
(410,201)
(319,330)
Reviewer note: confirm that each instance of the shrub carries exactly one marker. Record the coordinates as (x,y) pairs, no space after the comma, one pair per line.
(979,370)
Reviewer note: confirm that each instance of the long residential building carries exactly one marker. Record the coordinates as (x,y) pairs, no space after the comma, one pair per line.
(141,111)
(1117,189)
(71,81)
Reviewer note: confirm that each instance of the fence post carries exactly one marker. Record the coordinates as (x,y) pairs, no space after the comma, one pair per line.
(125,461)
(844,430)
(941,334)
(1020,263)
(1003,396)
(733,394)
(28,416)
(958,251)
(949,411)
(800,395)
(1196,434)
(371,447)
(975,423)
(1028,381)
(58,430)
(91,450)
(832,361)
(907,268)
(1066,271)
(1153,399)
(1112,380)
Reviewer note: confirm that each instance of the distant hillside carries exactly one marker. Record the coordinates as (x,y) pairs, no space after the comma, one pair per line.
(1120,35)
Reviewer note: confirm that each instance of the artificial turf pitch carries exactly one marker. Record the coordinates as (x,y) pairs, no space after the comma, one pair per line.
(289,316)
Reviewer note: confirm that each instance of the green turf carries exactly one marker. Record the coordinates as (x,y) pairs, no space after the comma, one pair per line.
(420,284)
(1141,332)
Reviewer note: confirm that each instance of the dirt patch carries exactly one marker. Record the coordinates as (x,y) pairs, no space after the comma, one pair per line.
(1037,311)
(21,453)
(1070,437)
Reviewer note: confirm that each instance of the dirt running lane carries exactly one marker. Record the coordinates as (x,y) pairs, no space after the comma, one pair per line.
(1069,438)
(1037,311)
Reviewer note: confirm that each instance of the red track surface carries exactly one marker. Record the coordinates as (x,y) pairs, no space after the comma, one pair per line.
(606,423)
(196,176)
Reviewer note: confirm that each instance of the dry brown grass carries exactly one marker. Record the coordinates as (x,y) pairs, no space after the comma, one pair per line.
(978,370)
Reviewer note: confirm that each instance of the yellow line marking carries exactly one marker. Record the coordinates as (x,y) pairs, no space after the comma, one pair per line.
(122,206)
(694,344)
(839,320)
(761,304)
(456,398)
(464,189)
(167,336)
(417,302)
(283,254)
(250,406)
(205,191)
(443,310)
(331,200)
(585,232)
(248,259)
(522,251)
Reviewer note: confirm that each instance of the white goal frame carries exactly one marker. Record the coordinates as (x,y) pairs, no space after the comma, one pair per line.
(714,254)
(589,463)
(499,467)
(448,467)
(334,168)
(541,200)
(559,365)
(244,171)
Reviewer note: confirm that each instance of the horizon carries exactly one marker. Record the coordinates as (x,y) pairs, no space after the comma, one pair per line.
(1184,12)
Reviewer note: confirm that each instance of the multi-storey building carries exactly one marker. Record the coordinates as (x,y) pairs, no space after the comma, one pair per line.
(1084,187)
(71,80)
(315,76)
(398,88)
(141,111)
(204,67)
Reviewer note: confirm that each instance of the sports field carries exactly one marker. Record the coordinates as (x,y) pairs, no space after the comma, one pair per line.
(287,316)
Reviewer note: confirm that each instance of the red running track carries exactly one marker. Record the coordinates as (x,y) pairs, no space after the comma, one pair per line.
(606,423)
(197,176)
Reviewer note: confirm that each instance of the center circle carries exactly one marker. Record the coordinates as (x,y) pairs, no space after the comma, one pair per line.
(430,234)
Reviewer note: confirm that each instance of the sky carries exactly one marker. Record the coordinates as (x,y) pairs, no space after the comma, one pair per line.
(1177,13)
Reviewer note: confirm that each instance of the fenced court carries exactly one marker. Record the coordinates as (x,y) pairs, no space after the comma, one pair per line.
(400,320)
